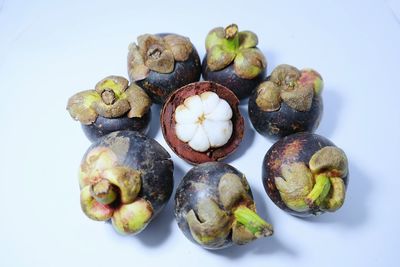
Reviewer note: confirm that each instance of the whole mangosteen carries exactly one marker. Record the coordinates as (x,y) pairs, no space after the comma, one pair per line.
(201,122)
(214,207)
(305,174)
(162,63)
(127,178)
(111,106)
(233,60)
(289,101)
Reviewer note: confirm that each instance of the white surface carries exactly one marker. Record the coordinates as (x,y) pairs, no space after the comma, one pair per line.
(50,50)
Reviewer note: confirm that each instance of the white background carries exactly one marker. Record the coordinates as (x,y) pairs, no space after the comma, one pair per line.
(50,50)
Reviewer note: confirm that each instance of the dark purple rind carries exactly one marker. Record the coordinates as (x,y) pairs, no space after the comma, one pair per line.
(286,120)
(228,78)
(299,147)
(103,126)
(160,85)
(187,195)
(147,156)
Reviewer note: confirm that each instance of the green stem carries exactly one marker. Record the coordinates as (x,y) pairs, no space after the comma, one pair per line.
(232,37)
(252,222)
(103,191)
(319,191)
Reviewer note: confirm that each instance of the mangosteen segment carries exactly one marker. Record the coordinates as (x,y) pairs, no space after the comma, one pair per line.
(201,122)
(317,187)
(204,121)
(157,53)
(117,180)
(224,46)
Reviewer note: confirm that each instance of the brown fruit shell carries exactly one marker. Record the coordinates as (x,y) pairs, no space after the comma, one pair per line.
(182,149)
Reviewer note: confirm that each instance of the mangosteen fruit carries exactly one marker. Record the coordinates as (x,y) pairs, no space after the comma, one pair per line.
(289,101)
(112,106)
(127,178)
(233,60)
(305,174)
(162,63)
(214,207)
(201,122)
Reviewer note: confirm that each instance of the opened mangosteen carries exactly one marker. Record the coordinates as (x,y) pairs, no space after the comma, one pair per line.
(201,122)
(162,63)
(127,178)
(305,174)
(289,101)
(214,207)
(233,60)
(111,106)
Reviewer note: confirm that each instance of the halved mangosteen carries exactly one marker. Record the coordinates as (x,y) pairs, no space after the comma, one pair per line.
(162,63)
(201,122)
(112,106)
(233,60)
(305,174)
(289,101)
(127,178)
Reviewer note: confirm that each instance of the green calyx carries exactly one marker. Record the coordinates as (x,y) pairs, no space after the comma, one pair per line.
(132,218)
(228,45)
(319,187)
(156,53)
(252,222)
(210,223)
(111,191)
(288,84)
(111,98)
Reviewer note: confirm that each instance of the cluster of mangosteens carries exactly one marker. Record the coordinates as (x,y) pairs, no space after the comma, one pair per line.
(127,178)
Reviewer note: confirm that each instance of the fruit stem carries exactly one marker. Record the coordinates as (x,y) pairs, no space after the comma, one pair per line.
(319,191)
(232,37)
(103,191)
(252,222)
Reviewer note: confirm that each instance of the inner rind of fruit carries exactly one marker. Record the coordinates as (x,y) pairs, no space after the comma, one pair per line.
(204,121)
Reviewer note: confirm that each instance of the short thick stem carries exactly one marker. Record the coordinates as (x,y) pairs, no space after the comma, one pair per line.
(252,222)
(108,97)
(103,191)
(232,37)
(319,191)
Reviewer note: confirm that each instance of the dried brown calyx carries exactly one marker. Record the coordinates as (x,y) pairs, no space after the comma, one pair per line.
(228,45)
(318,187)
(288,84)
(110,191)
(211,224)
(111,98)
(157,53)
